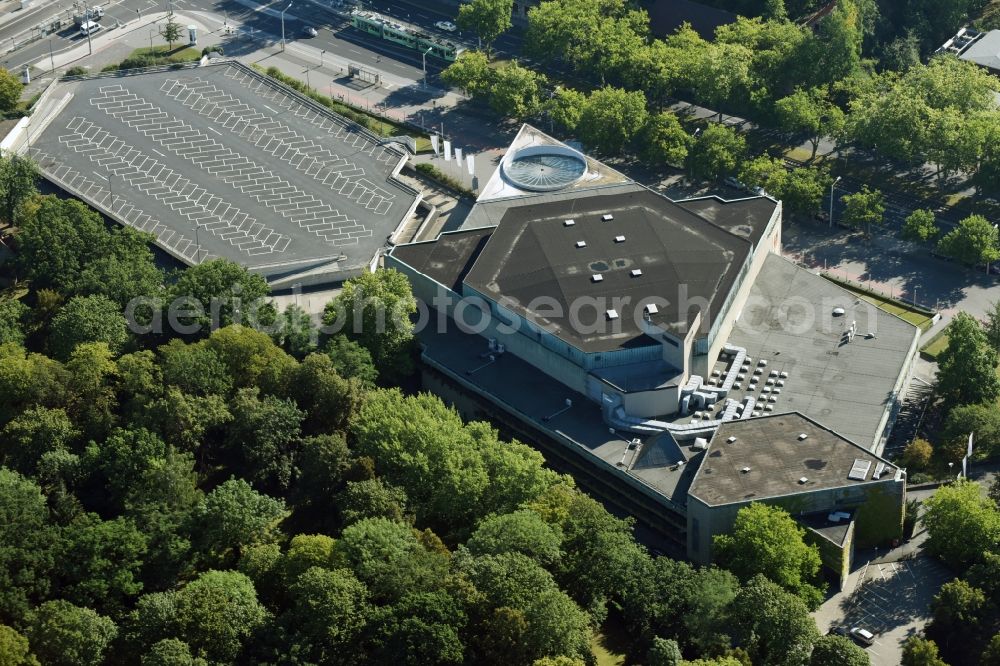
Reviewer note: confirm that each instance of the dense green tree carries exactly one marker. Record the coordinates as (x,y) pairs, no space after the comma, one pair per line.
(919,226)
(721,77)
(306,551)
(26,546)
(967,367)
(13,316)
(263,437)
(863,209)
(323,460)
(519,532)
(87,319)
(56,239)
(766,540)
(252,359)
(100,562)
(471,72)
(329,609)
(62,634)
(14,649)
(184,419)
(234,516)
(10,90)
(487,18)
(422,628)
(983,420)
(773,625)
(961,524)
(801,191)
(918,651)
(389,559)
(91,392)
(171,652)
(612,118)
(218,292)
(194,368)
(973,242)
(717,152)
(351,360)
(837,651)
(992,325)
(18,176)
(374,309)
(327,399)
(171,31)
(565,107)
(28,380)
(959,611)
(917,455)
(371,498)
(294,331)
(124,271)
(991,655)
(664,141)
(31,434)
(217,613)
(664,652)
(516,92)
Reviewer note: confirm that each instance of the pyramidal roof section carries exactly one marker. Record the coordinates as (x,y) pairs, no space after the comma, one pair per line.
(528,148)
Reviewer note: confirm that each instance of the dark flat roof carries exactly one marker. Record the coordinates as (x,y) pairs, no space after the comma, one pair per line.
(533,254)
(833,531)
(447,258)
(746,218)
(777,459)
(666,16)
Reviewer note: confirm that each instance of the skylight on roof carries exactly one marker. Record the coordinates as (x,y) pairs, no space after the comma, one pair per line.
(607,217)
(636,272)
(612,314)
(619,239)
(569,223)
(652,309)
(581,243)
(860,469)
(597,277)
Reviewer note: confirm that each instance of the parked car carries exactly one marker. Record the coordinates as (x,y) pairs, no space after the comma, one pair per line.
(89,28)
(447,26)
(862,636)
(309,31)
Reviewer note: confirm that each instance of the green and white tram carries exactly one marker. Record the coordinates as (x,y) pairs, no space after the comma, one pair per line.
(407,36)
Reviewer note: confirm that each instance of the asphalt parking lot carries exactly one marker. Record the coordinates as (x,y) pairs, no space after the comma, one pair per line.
(890,599)
(218,161)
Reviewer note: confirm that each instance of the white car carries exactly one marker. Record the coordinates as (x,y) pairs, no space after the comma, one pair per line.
(309,32)
(447,26)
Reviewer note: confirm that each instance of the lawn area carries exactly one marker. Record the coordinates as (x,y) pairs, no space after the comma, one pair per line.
(164,53)
(935,346)
(897,308)
(605,657)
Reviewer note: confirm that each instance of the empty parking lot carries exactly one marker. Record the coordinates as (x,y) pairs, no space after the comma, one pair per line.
(219,161)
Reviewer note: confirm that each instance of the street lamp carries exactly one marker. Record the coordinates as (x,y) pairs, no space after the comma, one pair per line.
(86,18)
(111,188)
(283,24)
(321,54)
(197,243)
(836,180)
(424,57)
(152,31)
(52,60)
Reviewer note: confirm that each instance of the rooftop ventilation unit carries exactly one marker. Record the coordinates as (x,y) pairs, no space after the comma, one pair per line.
(612,314)
(745,470)
(636,272)
(879,470)
(803,480)
(597,277)
(619,239)
(700,444)
(569,223)
(651,308)
(581,243)
(802,436)
(838,312)
(730,440)
(607,217)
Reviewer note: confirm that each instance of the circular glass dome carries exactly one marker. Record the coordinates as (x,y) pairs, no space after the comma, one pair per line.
(545,168)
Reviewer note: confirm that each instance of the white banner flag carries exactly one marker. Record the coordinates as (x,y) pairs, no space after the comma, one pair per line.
(458,156)
(470,162)
(969,450)
(434,143)
(447,150)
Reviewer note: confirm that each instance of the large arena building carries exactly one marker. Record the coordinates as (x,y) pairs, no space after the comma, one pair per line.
(626,333)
